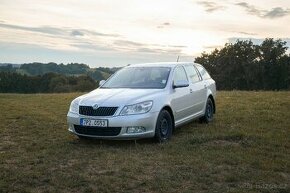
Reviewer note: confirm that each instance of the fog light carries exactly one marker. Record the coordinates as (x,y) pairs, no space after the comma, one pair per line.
(135,129)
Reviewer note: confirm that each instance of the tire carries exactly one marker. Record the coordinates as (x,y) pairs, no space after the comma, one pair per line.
(208,115)
(164,126)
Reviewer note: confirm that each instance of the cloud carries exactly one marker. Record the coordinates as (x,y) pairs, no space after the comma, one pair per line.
(77,33)
(44,29)
(276,12)
(128,43)
(27,53)
(147,47)
(143,48)
(98,33)
(67,42)
(48,30)
(87,46)
(210,6)
(164,25)
(158,51)
(176,46)
(245,33)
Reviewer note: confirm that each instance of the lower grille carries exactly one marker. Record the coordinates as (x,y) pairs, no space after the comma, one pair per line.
(97,131)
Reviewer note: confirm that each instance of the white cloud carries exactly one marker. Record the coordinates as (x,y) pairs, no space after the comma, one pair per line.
(125,29)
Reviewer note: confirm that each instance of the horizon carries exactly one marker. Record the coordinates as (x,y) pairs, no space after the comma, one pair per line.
(114,34)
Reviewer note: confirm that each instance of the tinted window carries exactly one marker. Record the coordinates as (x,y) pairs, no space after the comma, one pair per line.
(179,74)
(191,72)
(205,75)
(139,77)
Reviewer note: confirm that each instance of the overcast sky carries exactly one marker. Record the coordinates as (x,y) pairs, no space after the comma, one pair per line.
(116,33)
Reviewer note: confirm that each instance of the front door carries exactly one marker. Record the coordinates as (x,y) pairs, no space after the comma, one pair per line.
(181,103)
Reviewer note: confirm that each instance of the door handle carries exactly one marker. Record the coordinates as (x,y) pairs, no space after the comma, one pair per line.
(190,90)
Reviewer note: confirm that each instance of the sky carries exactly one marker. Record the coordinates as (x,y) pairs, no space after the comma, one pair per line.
(116,33)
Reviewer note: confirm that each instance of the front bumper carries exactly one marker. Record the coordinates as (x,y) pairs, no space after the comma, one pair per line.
(147,120)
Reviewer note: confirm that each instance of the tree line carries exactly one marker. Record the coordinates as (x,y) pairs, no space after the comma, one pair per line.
(40,68)
(241,65)
(245,66)
(76,69)
(11,82)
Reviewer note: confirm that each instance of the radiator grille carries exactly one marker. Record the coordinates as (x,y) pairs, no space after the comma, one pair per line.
(101,111)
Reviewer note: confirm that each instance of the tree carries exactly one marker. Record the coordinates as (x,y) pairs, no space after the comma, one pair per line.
(51,82)
(246,66)
(273,59)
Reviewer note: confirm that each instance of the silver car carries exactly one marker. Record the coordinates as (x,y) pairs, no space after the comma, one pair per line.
(144,101)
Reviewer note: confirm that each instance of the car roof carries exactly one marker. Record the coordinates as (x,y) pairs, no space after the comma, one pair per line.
(160,64)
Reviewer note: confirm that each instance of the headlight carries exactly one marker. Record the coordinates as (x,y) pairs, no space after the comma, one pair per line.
(74,106)
(138,108)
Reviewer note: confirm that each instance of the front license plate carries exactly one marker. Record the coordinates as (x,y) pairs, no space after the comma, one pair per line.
(94,122)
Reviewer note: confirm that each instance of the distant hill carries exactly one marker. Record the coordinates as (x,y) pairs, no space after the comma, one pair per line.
(13,65)
(71,69)
(50,77)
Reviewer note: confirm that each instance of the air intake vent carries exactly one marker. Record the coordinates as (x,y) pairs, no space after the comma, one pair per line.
(101,111)
(97,131)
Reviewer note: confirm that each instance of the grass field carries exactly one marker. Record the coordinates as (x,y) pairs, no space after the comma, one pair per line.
(246,149)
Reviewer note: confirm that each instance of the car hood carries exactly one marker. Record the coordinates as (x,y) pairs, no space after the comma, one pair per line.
(118,97)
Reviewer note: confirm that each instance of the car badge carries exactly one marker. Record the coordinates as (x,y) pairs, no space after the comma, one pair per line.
(95,107)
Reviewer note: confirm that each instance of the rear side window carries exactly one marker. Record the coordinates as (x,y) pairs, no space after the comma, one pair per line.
(179,74)
(204,74)
(192,73)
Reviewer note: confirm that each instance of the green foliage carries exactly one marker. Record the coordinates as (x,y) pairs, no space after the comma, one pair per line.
(50,82)
(7,68)
(34,69)
(40,68)
(96,75)
(84,83)
(69,69)
(245,66)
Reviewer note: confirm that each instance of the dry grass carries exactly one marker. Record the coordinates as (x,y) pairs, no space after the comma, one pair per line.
(245,149)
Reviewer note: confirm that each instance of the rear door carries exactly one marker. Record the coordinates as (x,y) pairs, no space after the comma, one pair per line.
(197,90)
(207,80)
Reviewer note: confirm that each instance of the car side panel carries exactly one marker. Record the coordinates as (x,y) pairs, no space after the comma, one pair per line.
(211,90)
(181,102)
(198,95)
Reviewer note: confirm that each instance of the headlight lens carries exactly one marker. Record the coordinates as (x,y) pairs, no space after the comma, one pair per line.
(74,106)
(138,108)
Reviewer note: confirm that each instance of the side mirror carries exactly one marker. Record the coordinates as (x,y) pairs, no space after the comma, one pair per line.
(180,84)
(101,82)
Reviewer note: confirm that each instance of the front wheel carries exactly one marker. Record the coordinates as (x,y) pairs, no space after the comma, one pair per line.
(164,126)
(209,109)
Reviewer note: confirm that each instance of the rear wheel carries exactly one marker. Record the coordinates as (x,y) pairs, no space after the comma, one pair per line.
(209,109)
(164,126)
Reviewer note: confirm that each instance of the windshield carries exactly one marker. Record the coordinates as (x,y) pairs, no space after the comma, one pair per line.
(139,77)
